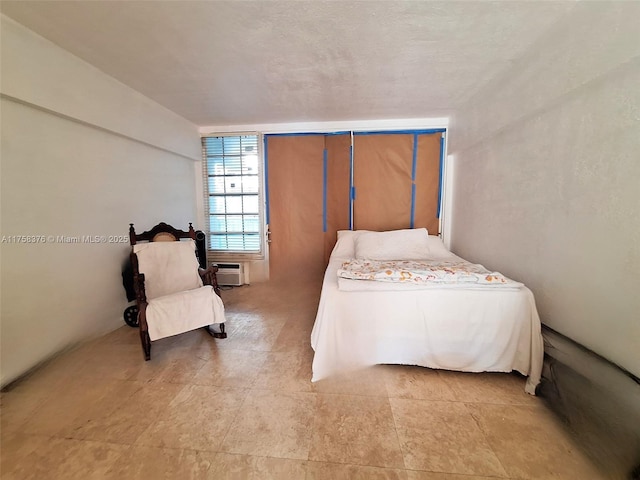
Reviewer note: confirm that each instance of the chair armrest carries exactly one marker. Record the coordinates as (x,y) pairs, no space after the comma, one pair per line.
(138,286)
(138,281)
(209,277)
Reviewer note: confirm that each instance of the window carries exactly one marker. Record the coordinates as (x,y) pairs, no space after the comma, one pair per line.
(232,186)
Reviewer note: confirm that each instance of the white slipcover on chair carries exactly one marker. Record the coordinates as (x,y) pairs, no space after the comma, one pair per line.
(177,301)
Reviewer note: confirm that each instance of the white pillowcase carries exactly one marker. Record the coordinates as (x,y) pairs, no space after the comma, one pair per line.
(169,267)
(345,246)
(408,244)
(437,250)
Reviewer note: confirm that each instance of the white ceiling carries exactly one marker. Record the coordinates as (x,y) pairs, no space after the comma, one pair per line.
(243,62)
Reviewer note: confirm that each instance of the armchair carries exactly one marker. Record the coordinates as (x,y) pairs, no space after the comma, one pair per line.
(173,293)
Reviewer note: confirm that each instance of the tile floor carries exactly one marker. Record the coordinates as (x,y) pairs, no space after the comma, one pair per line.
(244,408)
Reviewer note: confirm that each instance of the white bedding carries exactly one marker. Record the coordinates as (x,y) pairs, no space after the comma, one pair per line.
(468,329)
(452,272)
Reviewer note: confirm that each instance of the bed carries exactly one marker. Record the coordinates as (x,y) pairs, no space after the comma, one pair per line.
(481,323)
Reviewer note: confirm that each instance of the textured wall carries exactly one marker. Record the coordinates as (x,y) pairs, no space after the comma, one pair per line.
(546,173)
(35,70)
(65,177)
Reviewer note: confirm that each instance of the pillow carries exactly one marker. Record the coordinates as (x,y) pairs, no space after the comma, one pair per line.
(409,244)
(169,267)
(345,246)
(437,250)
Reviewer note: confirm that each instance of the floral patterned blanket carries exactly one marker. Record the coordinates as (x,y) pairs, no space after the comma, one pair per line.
(423,272)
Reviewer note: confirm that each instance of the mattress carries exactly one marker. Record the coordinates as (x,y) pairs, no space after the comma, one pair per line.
(461,329)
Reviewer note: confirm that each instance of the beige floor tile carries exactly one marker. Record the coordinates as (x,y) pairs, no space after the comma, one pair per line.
(405,381)
(123,414)
(367,381)
(45,379)
(355,429)
(275,424)
(186,340)
(197,418)
(125,335)
(295,336)
(178,362)
(247,467)
(231,368)
(337,471)
(15,447)
(252,332)
(100,411)
(95,411)
(256,298)
(151,463)
(181,371)
(107,360)
(154,369)
(186,346)
(531,443)
(488,387)
(416,475)
(67,459)
(443,437)
(285,372)
(16,409)
(67,403)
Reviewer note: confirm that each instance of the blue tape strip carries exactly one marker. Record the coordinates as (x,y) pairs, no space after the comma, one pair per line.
(352,192)
(305,134)
(325,175)
(415,158)
(393,132)
(413,205)
(266,181)
(347,132)
(414,168)
(440,175)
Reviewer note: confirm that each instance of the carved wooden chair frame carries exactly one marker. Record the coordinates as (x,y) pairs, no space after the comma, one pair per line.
(164,232)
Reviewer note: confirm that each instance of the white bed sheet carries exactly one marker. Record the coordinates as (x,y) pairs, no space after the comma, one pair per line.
(470,330)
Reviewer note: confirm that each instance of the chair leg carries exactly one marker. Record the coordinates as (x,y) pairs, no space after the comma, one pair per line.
(214,334)
(222,333)
(144,331)
(146,344)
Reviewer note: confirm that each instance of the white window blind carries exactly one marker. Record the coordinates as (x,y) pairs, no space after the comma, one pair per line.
(232,193)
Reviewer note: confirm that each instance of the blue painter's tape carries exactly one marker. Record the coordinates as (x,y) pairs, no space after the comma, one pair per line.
(266,181)
(415,157)
(393,132)
(413,205)
(325,175)
(441,173)
(352,192)
(305,134)
(414,168)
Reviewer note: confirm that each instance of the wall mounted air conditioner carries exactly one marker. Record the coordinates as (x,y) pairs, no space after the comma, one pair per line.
(231,274)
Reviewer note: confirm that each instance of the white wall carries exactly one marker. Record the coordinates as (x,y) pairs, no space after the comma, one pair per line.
(546,164)
(82,154)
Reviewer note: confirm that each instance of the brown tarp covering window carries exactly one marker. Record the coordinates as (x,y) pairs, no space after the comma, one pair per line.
(295,206)
(382,167)
(301,185)
(338,188)
(427,182)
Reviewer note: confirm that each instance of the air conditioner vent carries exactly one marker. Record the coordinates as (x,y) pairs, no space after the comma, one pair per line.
(231,274)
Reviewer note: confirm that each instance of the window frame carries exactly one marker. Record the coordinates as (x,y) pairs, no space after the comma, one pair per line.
(238,255)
